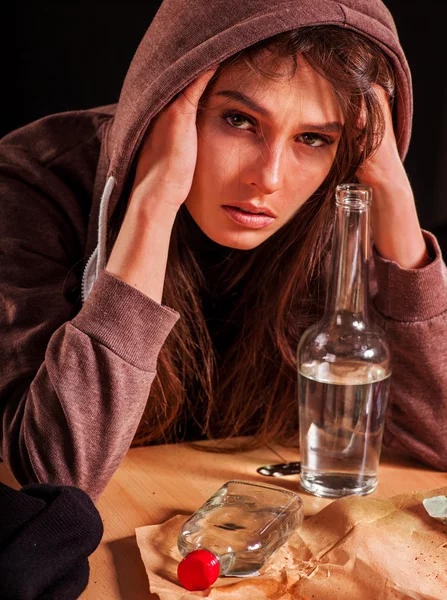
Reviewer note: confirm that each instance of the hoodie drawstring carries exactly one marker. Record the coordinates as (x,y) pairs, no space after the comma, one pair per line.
(96,262)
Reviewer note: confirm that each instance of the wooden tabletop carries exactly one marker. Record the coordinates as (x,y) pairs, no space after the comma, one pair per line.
(157,482)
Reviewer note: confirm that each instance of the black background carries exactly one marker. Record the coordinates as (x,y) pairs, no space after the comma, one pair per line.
(63,56)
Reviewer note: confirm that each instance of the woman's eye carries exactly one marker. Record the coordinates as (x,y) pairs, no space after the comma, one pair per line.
(237,120)
(240,121)
(314,140)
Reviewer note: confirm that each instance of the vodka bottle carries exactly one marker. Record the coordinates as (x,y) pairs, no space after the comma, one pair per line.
(344,366)
(236,532)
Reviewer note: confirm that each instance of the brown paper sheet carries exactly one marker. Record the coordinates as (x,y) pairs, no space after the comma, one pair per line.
(354,549)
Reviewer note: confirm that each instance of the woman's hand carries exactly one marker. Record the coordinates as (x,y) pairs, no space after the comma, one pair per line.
(163,179)
(167,158)
(394,221)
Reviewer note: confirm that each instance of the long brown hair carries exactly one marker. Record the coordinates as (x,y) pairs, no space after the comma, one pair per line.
(272,292)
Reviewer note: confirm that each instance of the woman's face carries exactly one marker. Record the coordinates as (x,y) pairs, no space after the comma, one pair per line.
(263,145)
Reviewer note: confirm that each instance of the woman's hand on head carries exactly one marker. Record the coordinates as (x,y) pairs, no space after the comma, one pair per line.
(385,165)
(167,158)
(394,221)
(164,174)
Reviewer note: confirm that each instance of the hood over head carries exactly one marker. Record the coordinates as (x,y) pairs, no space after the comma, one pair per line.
(187,37)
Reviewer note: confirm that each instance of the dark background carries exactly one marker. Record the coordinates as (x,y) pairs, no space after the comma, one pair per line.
(63,56)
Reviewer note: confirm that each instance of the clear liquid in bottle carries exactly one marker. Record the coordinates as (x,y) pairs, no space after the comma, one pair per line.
(241,526)
(342,431)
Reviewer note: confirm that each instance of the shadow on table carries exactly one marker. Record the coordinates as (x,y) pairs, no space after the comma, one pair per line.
(131,574)
(395,458)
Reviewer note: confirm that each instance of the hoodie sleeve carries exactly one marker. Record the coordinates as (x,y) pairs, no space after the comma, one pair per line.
(74,381)
(411,306)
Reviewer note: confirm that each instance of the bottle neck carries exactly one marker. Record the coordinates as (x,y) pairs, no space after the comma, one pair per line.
(226,562)
(348,286)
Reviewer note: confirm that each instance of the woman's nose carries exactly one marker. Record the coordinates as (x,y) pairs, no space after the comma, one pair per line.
(266,170)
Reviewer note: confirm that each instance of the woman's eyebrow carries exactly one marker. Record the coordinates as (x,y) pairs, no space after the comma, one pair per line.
(332,127)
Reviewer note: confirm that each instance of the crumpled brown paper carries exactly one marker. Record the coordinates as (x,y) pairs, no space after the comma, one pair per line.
(357,548)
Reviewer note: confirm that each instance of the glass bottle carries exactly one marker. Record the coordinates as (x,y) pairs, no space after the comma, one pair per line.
(344,366)
(236,532)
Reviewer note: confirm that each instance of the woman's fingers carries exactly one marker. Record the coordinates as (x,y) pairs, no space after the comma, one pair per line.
(167,157)
(193,92)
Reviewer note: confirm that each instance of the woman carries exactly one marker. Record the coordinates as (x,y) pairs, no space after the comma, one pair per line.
(260,109)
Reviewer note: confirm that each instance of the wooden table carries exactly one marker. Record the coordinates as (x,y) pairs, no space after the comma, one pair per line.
(155,483)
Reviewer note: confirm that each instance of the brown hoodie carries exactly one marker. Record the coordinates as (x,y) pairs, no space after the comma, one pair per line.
(75,377)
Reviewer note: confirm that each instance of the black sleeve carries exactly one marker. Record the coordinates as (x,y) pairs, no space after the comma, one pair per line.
(46,535)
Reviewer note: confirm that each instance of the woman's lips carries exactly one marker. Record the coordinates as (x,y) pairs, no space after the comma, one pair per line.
(247,220)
